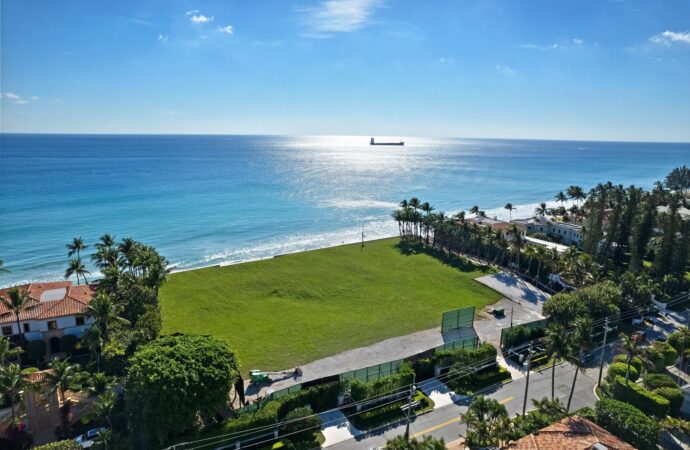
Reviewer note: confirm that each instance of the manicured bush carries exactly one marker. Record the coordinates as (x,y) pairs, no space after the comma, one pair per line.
(618,369)
(628,423)
(670,353)
(266,415)
(396,382)
(67,444)
(67,343)
(300,430)
(520,334)
(657,380)
(424,368)
(468,358)
(36,351)
(679,340)
(465,383)
(655,358)
(639,397)
(675,397)
(636,361)
(319,398)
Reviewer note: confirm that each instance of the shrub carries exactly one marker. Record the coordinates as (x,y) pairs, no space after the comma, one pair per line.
(675,397)
(670,353)
(636,361)
(67,444)
(628,423)
(639,397)
(300,430)
(360,390)
(319,398)
(424,368)
(520,334)
(467,358)
(657,380)
(36,350)
(618,369)
(67,343)
(679,340)
(655,358)
(267,415)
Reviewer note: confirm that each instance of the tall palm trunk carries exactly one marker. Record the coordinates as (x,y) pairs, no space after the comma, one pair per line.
(572,388)
(553,378)
(19,329)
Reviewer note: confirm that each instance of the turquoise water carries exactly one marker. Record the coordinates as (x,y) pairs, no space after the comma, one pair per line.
(204,200)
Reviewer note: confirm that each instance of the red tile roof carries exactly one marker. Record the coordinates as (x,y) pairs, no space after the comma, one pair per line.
(74,302)
(571,433)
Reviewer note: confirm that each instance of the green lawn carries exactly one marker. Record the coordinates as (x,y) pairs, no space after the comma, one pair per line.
(297,308)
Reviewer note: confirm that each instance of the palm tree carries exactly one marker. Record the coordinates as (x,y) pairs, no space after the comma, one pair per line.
(631,347)
(556,346)
(13,380)
(517,243)
(576,193)
(8,352)
(64,376)
(487,422)
(551,408)
(541,210)
(560,197)
(105,312)
(92,340)
(103,407)
(76,267)
(510,208)
(76,246)
(581,341)
(98,384)
(17,300)
(427,208)
(474,210)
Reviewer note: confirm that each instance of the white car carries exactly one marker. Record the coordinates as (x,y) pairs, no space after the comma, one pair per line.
(86,439)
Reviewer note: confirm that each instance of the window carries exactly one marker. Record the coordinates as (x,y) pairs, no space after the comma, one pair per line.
(79,320)
(52,325)
(7,331)
(26,328)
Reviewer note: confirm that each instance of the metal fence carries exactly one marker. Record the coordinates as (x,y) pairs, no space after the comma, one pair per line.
(542,323)
(373,373)
(468,343)
(458,318)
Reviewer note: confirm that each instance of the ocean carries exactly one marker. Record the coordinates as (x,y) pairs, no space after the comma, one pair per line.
(204,200)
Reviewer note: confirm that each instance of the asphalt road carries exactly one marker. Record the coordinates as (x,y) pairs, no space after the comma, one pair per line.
(445,422)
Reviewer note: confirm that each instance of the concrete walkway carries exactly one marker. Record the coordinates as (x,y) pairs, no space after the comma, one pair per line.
(336,428)
(515,289)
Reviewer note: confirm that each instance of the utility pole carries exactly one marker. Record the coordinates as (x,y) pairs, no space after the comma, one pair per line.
(603,350)
(409,408)
(362,247)
(511,317)
(529,367)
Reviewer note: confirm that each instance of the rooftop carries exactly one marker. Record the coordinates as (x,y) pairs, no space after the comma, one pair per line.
(571,433)
(49,300)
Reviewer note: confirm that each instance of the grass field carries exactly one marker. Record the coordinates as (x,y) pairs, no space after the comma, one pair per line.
(297,308)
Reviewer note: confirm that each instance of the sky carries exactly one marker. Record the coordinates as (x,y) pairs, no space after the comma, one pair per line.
(548,69)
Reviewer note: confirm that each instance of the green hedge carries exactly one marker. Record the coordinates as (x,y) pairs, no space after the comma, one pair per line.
(658,380)
(68,444)
(670,353)
(467,358)
(636,362)
(424,368)
(628,423)
(639,397)
(618,369)
(521,334)
(675,397)
(300,430)
(655,358)
(470,383)
(360,390)
(319,398)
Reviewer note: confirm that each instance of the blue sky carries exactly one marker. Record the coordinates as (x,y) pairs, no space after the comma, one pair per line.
(585,69)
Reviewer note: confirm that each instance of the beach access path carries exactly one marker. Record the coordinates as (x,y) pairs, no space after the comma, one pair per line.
(524,299)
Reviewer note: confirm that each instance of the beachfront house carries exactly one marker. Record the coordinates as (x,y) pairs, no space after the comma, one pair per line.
(568,233)
(55,309)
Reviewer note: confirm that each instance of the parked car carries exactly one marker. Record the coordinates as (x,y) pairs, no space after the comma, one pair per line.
(86,440)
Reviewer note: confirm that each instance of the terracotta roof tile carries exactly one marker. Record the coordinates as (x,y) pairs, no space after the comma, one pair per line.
(74,302)
(571,433)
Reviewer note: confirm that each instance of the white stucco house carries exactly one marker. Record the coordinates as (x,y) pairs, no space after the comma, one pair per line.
(55,309)
(569,233)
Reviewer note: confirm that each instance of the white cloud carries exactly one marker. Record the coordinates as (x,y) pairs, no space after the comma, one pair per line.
(228,29)
(670,37)
(189,13)
(200,18)
(339,16)
(578,41)
(539,46)
(17,99)
(506,70)
(162,38)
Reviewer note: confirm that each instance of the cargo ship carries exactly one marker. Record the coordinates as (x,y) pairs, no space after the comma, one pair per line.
(373,142)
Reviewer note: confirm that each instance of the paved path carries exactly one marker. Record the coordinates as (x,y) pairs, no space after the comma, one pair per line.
(515,289)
